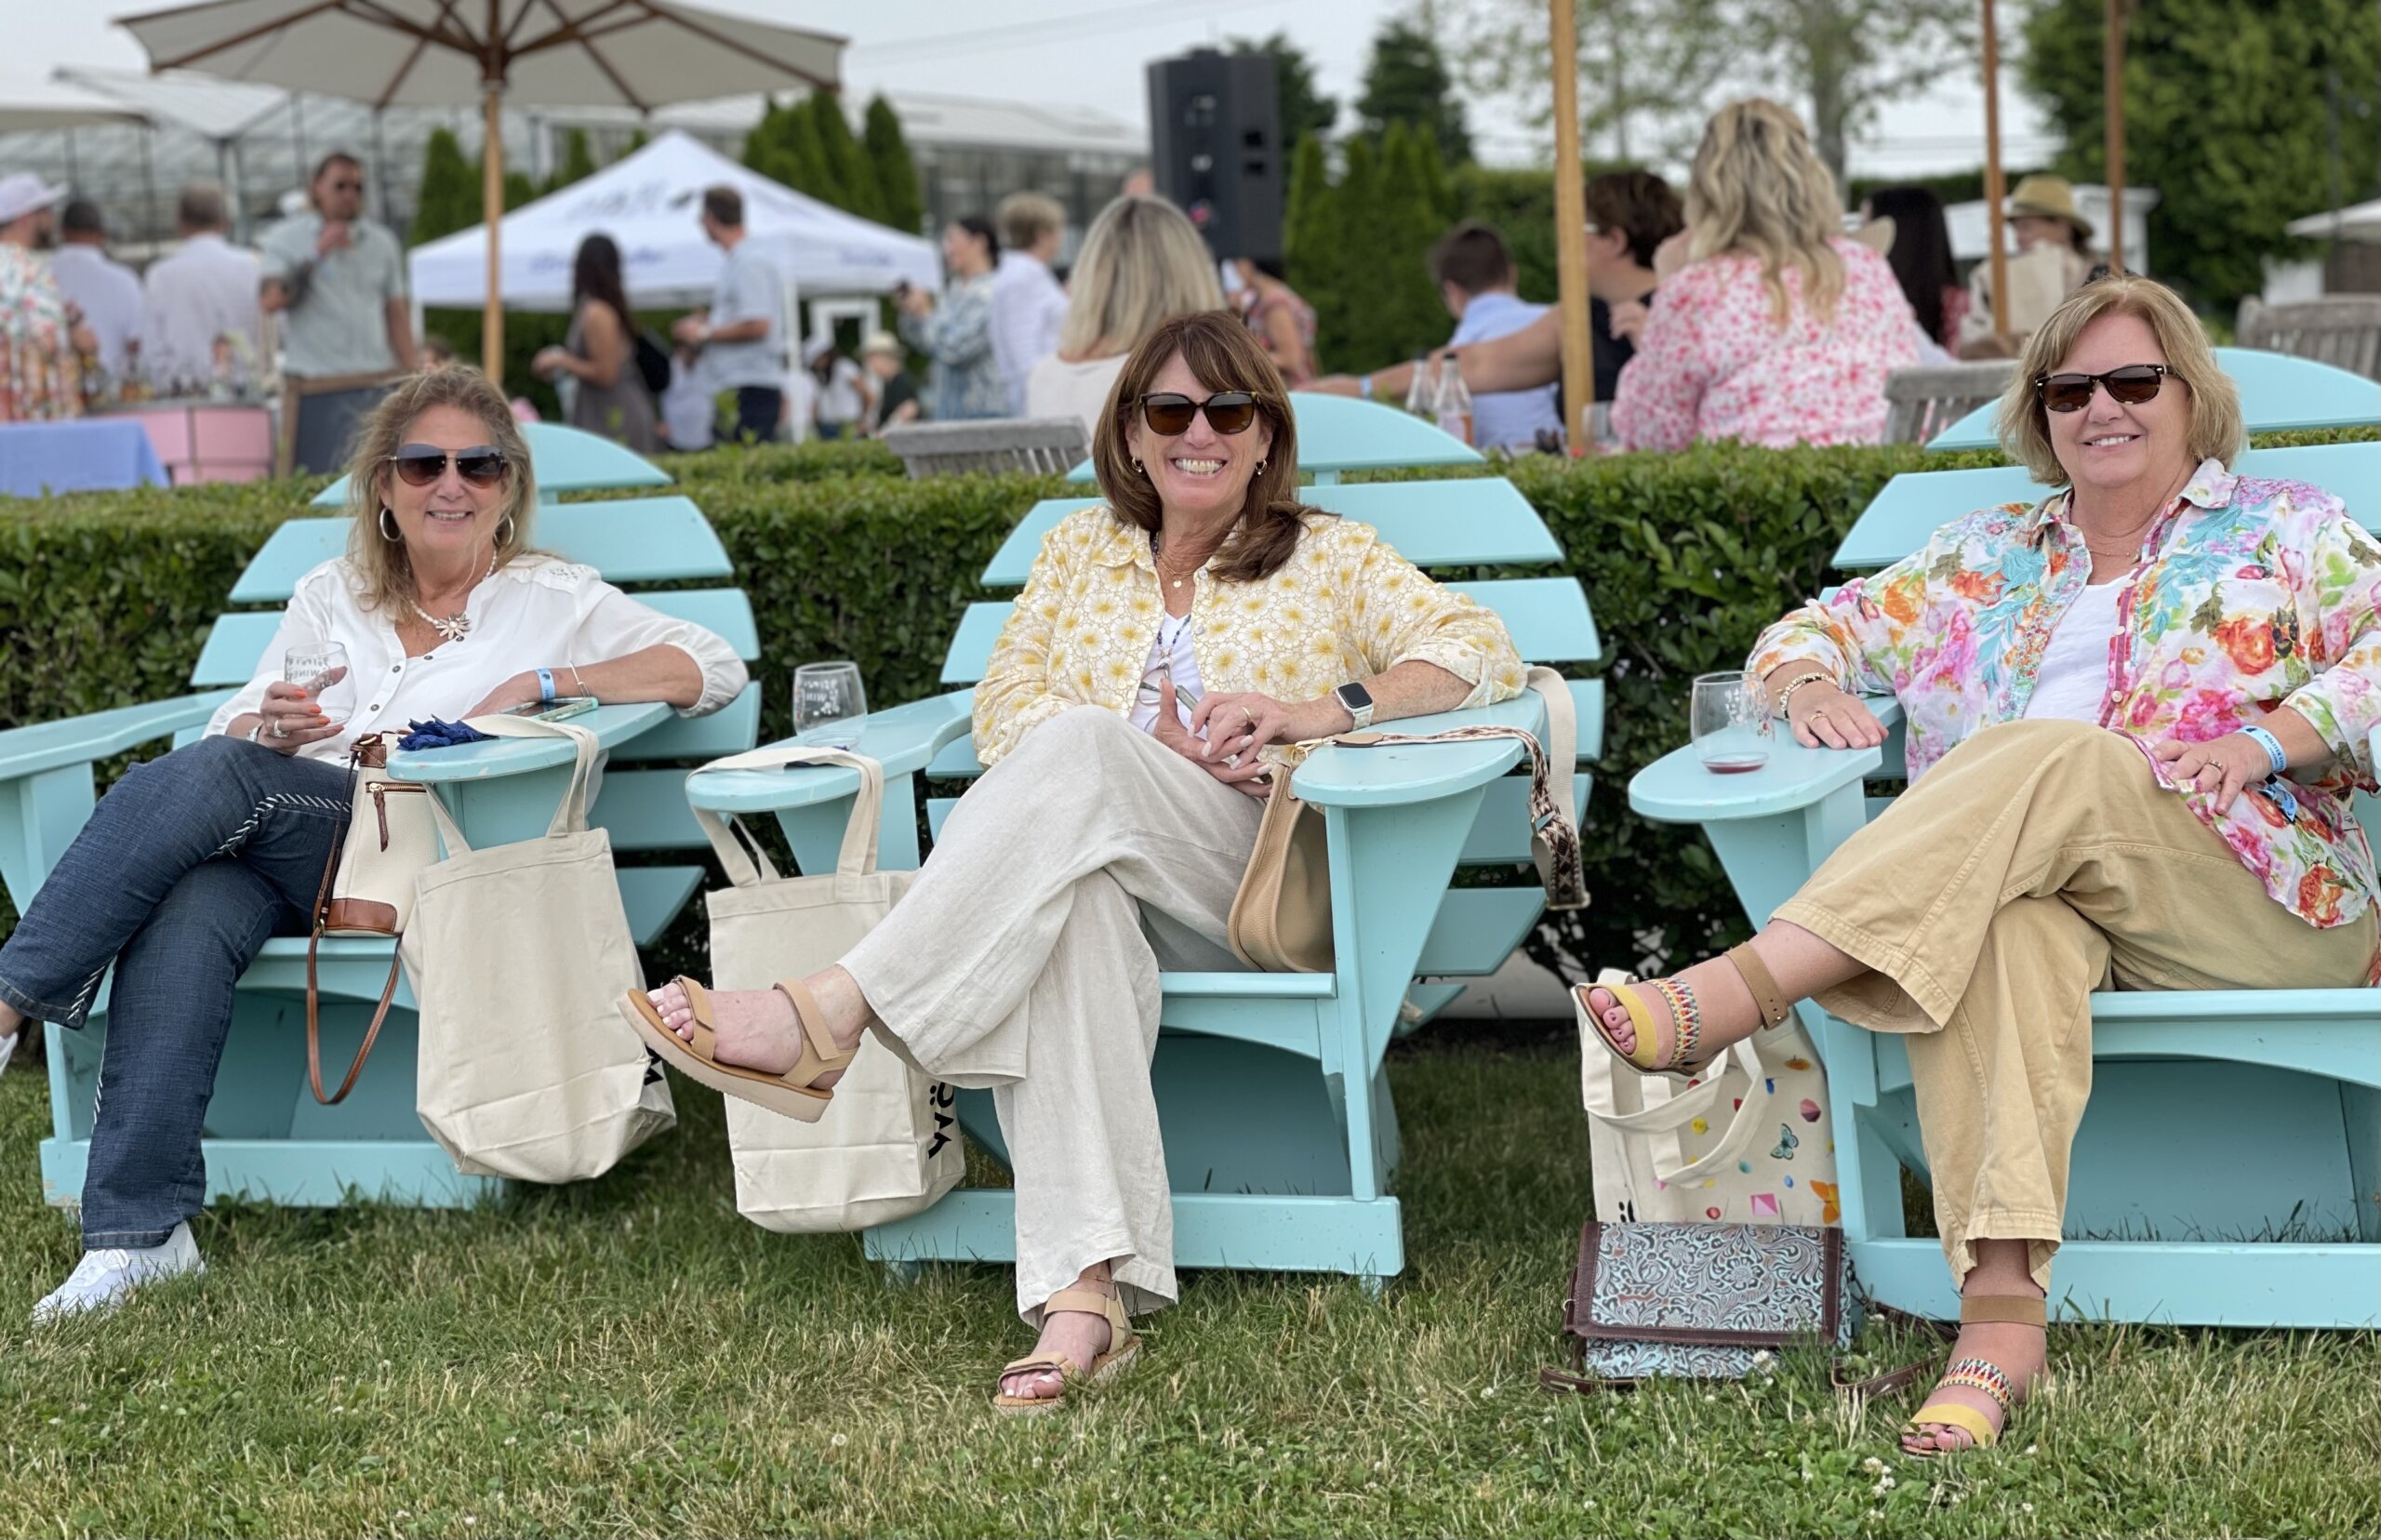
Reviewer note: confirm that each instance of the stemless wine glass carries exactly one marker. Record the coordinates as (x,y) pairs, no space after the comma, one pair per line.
(1730,722)
(829,704)
(321,668)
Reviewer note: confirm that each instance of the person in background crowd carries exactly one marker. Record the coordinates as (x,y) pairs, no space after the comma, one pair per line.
(1142,262)
(40,380)
(1629,215)
(436,351)
(1474,272)
(741,339)
(1283,321)
(1921,257)
(2054,259)
(1140,182)
(963,379)
(599,355)
(106,293)
(896,393)
(688,404)
(844,398)
(338,280)
(201,319)
(1028,304)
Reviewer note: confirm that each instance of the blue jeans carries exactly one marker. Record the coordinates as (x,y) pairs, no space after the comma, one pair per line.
(188,865)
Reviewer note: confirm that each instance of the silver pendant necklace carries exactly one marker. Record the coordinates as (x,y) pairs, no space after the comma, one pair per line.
(455,627)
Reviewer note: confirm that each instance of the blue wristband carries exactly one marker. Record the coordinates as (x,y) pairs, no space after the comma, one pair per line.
(2272,745)
(545,684)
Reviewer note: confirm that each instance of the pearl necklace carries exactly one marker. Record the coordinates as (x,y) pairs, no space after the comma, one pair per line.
(455,627)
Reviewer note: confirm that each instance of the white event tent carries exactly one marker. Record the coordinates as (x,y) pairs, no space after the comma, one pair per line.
(649,203)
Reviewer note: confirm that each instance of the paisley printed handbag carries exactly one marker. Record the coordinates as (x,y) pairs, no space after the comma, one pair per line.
(1657,1301)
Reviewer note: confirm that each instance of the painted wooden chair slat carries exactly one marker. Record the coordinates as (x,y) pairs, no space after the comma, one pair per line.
(567,459)
(2278,393)
(631,541)
(1478,522)
(1341,433)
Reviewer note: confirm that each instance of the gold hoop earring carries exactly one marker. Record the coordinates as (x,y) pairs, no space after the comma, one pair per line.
(388,531)
(1140,471)
(1261,468)
(504,530)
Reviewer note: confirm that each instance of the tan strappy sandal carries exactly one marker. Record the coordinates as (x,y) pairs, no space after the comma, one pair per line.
(791,1095)
(1976,1374)
(1124,1345)
(1680,1063)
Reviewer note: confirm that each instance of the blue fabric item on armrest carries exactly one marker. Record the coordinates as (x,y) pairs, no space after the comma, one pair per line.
(435,734)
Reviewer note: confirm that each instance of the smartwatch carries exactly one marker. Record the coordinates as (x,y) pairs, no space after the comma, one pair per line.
(1359,702)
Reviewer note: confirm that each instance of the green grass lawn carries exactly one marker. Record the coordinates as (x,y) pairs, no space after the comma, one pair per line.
(629,1357)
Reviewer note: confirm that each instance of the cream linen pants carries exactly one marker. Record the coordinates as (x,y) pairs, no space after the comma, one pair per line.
(2035,863)
(1025,958)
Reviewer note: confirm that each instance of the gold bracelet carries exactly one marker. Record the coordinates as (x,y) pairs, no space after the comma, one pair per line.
(575,679)
(1786,696)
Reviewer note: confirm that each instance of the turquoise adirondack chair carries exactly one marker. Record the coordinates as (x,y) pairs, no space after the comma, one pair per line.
(2278,393)
(1341,433)
(1279,1128)
(267,1139)
(2226,1170)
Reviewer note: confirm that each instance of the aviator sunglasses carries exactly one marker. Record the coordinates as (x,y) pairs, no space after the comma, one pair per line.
(1169,413)
(2131,386)
(421,464)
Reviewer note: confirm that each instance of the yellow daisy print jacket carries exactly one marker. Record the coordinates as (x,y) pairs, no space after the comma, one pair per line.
(1345,606)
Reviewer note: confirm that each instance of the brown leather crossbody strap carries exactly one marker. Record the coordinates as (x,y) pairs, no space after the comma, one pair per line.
(313,1029)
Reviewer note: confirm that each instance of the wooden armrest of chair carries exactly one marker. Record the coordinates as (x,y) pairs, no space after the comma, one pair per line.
(1395,774)
(612,726)
(903,740)
(1676,788)
(47,746)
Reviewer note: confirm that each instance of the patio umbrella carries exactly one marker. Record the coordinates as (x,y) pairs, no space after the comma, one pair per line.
(27,105)
(437,53)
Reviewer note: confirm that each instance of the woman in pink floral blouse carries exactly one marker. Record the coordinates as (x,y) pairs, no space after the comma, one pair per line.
(1770,327)
(2136,714)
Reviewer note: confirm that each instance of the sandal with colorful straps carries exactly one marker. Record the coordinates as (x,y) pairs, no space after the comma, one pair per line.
(1686,1014)
(1979,1374)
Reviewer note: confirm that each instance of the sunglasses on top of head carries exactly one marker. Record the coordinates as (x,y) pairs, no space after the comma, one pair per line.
(2131,386)
(1170,411)
(422,465)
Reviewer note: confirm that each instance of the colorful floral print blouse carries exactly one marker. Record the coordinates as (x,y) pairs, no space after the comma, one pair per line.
(1713,363)
(2252,595)
(1344,606)
(39,377)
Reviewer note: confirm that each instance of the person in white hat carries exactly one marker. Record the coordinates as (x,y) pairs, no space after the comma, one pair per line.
(40,379)
(896,392)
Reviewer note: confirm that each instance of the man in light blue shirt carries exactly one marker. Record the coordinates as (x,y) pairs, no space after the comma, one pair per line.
(1475,276)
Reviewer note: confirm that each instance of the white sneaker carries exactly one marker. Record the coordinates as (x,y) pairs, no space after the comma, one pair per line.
(9,1046)
(103,1278)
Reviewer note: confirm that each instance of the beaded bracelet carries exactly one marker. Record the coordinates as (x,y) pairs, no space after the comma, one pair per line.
(1786,696)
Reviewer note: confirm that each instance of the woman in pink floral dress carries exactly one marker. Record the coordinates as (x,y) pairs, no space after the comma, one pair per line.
(2136,714)
(1770,327)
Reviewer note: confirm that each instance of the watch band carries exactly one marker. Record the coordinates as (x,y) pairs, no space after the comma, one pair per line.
(2279,756)
(1360,717)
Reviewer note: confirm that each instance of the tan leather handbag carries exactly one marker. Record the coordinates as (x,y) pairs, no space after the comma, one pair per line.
(369,886)
(1280,918)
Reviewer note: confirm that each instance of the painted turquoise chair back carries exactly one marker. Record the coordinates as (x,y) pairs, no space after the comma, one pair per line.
(566,459)
(267,1139)
(2228,1162)
(1340,434)
(2277,393)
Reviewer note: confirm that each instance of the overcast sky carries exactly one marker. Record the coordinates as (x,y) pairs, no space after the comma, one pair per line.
(1091,53)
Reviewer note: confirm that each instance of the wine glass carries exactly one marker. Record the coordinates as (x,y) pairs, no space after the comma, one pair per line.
(829,704)
(1730,722)
(321,670)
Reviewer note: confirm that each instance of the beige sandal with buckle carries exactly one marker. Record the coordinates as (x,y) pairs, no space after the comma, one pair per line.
(1123,1344)
(1687,1016)
(791,1095)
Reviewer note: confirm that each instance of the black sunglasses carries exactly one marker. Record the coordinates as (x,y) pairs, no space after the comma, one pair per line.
(2130,385)
(421,464)
(1169,413)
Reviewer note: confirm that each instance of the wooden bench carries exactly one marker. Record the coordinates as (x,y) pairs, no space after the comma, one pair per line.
(1279,1133)
(1921,402)
(1043,446)
(267,1139)
(2343,330)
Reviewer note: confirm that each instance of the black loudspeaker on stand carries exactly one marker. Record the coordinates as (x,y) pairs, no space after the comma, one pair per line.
(1215,133)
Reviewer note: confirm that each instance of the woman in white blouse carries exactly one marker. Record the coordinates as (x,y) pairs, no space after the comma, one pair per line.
(193,860)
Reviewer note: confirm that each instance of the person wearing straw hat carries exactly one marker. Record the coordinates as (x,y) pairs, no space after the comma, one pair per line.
(896,393)
(40,379)
(2052,261)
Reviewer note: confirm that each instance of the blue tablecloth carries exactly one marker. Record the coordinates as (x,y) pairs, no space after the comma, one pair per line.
(100,454)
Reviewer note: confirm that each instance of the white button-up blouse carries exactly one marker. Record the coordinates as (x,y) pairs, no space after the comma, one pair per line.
(537,611)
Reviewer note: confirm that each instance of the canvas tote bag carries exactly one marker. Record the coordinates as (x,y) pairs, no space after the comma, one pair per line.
(1281,917)
(1752,1142)
(368,887)
(889,1145)
(519,955)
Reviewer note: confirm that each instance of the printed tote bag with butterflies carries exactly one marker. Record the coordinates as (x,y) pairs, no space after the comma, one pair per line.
(1750,1142)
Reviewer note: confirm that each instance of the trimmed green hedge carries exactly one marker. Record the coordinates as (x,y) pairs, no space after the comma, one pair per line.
(104,599)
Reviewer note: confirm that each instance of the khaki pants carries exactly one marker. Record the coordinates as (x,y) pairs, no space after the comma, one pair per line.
(1025,958)
(2039,861)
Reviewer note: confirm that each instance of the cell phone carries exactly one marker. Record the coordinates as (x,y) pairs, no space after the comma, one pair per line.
(557,710)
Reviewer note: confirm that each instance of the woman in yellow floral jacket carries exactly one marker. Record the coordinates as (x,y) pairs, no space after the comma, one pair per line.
(1171,649)
(2135,714)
